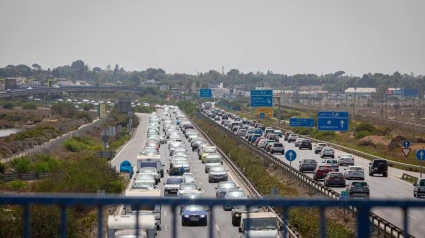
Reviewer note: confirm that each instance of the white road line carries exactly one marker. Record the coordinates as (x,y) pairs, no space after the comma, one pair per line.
(383,186)
(200,183)
(412,216)
(403,194)
(165,213)
(216,227)
(203,191)
(233,179)
(165,228)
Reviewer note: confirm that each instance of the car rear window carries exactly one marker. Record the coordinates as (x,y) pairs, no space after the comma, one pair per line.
(359,184)
(336,175)
(310,161)
(278,145)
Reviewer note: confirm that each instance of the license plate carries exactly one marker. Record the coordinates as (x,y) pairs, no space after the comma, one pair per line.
(194,219)
(337,179)
(355,174)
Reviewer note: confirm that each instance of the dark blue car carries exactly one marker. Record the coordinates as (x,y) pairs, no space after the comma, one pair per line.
(194,214)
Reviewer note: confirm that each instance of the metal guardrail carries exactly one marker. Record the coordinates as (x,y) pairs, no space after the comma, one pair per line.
(409,178)
(68,200)
(380,223)
(247,183)
(391,163)
(23,177)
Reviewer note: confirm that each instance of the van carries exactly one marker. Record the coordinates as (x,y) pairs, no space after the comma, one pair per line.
(155,209)
(122,226)
(151,161)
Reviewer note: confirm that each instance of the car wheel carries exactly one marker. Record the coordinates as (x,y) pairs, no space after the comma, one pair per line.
(385,174)
(234,223)
(371,174)
(209,181)
(333,156)
(326,185)
(415,194)
(206,223)
(165,192)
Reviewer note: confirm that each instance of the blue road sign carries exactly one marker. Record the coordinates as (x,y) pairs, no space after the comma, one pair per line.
(261,98)
(406,144)
(205,93)
(262,115)
(420,155)
(332,124)
(291,155)
(344,195)
(333,114)
(301,122)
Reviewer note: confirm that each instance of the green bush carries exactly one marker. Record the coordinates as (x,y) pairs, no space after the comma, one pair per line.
(80,143)
(45,164)
(2,168)
(145,109)
(83,115)
(87,107)
(362,134)
(365,127)
(29,106)
(323,135)
(16,185)
(118,143)
(36,132)
(22,165)
(64,109)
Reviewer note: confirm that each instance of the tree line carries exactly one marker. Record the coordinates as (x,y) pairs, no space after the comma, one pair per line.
(334,82)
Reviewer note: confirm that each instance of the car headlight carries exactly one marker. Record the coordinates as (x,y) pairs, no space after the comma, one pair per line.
(238,215)
(202,216)
(187,216)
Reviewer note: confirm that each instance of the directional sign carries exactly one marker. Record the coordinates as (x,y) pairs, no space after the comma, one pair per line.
(344,195)
(262,115)
(406,151)
(301,122)
(332,124)
(267,111)
(291,155)
(333,114)
(406,144)
(261,98)
(420,154)
(205,93)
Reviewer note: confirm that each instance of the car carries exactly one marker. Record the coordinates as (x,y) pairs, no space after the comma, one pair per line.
(217,118)
(206,151)
(298,141)
(334,179)
(273,136)
(305,143)
(269,145)
(319,147)
(149,151)
(217,173)
(277,148)
(190,195)
(237,212)
(143,184)
(354,172)
(263,142)
(292,137)
(307,164)
(234,194)
(195,214)
(241,132)
(192,136)
(223,187)
(287,134)
(333,163)
(189,178)
(378,166)
(321,171)
(172,184)
(145,177)
(419,188)
(187,187)
(358,187)
(346,159)
(327,152)
(212,160)
(151,170)
(278,133)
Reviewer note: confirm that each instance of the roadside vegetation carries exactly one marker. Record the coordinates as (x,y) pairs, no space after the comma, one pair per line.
(73,168)
(305,220)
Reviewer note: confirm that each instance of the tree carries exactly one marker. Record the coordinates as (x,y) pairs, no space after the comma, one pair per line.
(108,67)
(36,66)
(197,84)
(135,79)
(116,69)
(233,72)
(23,70)
(97,69)
(79,68)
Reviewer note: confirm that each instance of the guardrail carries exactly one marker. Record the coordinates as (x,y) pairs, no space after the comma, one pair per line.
(54,142)
(391,163)
(23,177)
(382,224)
(247,183)
(99,201)
(409,178)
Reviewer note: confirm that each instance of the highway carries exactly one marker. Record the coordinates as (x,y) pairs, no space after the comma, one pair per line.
(380,188)
(222,225)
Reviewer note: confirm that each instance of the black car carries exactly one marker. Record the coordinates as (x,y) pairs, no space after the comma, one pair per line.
(378,166)
(306,144)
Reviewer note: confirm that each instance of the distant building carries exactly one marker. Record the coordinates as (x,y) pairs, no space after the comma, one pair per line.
(150,81)
(360,91)
(163,87)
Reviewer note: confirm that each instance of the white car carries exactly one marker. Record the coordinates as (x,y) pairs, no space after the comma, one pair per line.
(187,187)
(292,137)
(327,152)
(354,172)
(346,159)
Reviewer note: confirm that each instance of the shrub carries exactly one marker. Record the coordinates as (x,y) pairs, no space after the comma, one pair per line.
(84,115)
(80,143)
(365,127)
(29,106)
(64,109)
(8,106)
(45,164)
(362,134)
(21,165)
(16,185)
(87,107)
(2,168)
(366,143)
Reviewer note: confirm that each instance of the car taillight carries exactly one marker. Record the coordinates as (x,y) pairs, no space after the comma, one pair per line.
(329,178)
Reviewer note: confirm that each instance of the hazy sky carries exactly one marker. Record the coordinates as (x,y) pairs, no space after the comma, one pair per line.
(188,36)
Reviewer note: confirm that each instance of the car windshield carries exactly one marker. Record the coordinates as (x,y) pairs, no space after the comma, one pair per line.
(236,194)
(192,195)
(188,175)
(174,181)
(210,150)
(347,156)
(243,208)
(191,186)
(176,144)
(143,185)
(194,208)
(144,176)
(324,167)
(359,184)
(309,161)
(180,162)
(213,160)
(332,162)
(277,145)
(217,169)
(260,223)
(321,144)
(227,185)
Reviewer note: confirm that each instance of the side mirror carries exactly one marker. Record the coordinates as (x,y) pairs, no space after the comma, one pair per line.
(300,162)
(222,164)
(207,210)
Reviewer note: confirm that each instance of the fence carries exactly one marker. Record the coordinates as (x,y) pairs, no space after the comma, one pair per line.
(363,208)
(23,177)
(378,222)
(55,142)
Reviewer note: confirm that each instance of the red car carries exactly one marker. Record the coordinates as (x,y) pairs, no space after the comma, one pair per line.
(321,171)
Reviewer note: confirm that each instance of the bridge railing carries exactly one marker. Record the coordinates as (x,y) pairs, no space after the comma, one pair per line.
(68,200)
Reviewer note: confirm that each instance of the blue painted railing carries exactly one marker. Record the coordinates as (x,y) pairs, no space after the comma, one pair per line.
(68,200)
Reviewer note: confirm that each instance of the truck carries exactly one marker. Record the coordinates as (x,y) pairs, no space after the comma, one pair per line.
(144,208)
(150,161)
(259,224)
(207,105)
(122,226)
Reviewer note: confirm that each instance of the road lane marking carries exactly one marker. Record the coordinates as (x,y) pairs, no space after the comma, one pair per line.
(165,213)
(384,186)
(412,216)
(200,183)
(231,177)
(403,194)
(216,227)
(165,228)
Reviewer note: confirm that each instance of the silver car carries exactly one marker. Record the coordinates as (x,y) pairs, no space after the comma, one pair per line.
(172,184)
(217,173)
(188,178)
(223,187)
(187,187)
(152,171)
(277,148)
(307,164)
(141,184)
(234,194)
